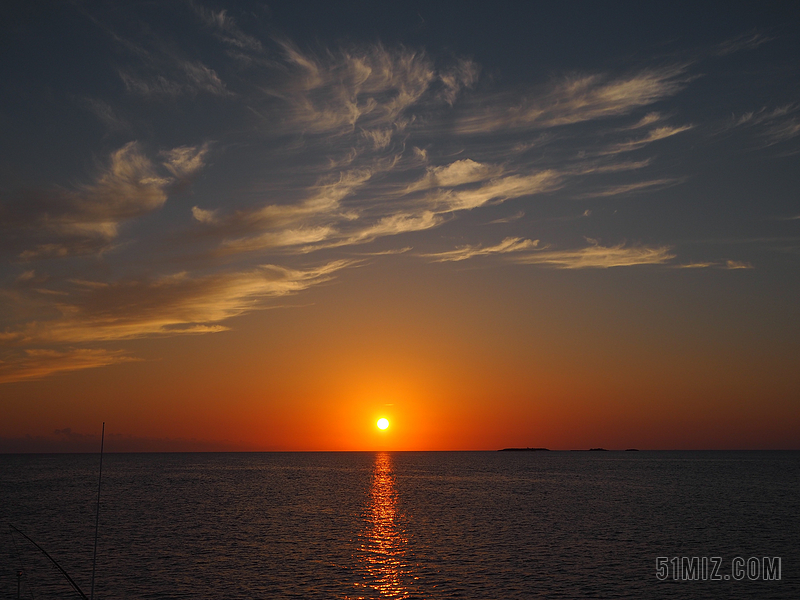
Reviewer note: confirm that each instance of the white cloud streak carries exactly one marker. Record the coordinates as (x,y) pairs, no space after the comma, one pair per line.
(455,174)
(169,305)
(531,252)
(630,188)
(735,264)
(510,219)
(395,225)
(727,265)
(506,246)
(654,135)
(496,190)
(579,99)
(596,256)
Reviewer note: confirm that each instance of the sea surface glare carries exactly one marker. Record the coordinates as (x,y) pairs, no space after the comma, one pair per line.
(432,525)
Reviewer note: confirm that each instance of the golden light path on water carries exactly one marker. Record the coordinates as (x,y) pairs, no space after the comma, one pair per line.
(385,544)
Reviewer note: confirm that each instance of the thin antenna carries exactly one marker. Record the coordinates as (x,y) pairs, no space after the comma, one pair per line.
(97,516)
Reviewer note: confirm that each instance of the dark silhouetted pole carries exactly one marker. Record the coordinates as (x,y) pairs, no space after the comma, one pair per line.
(97,516)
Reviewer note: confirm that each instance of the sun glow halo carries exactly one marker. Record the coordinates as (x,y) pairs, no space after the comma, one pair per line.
(383,423)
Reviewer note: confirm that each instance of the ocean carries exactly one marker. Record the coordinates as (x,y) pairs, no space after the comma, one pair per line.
(393,525)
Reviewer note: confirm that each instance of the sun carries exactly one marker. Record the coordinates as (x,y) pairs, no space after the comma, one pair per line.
(383,423)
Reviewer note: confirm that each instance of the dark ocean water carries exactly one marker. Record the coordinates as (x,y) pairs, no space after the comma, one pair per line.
(501,525)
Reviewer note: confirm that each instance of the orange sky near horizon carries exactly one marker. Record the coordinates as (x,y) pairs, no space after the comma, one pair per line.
(318,375)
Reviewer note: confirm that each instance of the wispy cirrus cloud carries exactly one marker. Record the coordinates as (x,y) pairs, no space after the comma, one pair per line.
(782,131)
(462,75)
(323,220)
(630,188)
(509,219)
(61,222)
(106,114)
(579,99)
(129,187)
(226,29)
(38,363)
(370,87)
(726,264)
(155,69)
(774,126)
(380,138)
(695,265)
(596,256)
(185,161)
(177,304)
(654,135)
(649,119)
(343,146)
(455,174)
(747,41)
(465,252)
(737,264)
(364,96)
(433,209)
(495,191)
(184,78)
(282,238)
(281,225)
(395,224)
(615,166)
(532,252)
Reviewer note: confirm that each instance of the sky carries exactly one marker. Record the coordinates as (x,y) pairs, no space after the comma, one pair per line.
(263,226)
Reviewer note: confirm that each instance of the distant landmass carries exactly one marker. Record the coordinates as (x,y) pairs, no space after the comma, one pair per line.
(548,450)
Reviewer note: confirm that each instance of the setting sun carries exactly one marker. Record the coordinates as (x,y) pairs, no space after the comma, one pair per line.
(383,423)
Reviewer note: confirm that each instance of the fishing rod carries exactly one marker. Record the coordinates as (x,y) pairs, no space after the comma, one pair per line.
(53,560)
(96,530)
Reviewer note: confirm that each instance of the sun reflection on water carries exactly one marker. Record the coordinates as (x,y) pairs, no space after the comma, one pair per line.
(383,551)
